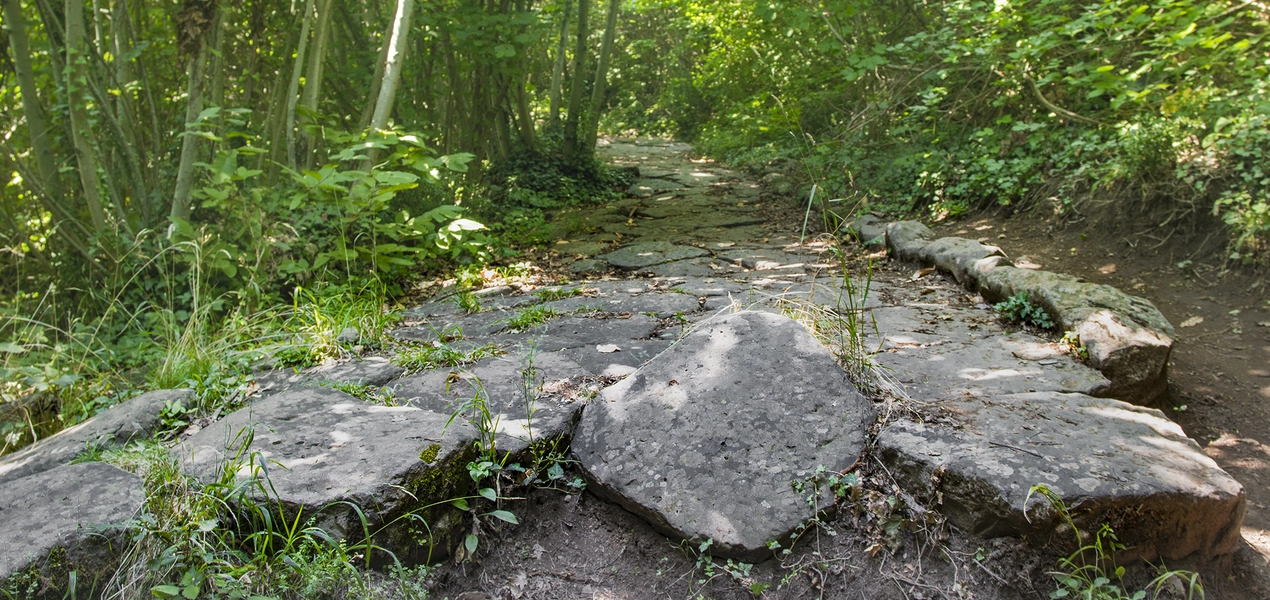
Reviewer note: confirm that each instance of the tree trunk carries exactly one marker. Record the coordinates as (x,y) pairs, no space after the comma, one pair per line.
(293,92)
(189,144)
(76,84)
(397,36)
(392,64)
(557,72)
(601,78)
(570,145)
(313,80)
(369,109)
(37,131)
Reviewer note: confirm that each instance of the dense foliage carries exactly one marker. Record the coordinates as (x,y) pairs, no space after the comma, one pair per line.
(941,107)
(184,176)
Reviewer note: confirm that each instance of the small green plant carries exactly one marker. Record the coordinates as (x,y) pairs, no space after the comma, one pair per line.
(441,354)
(1071,342)
(174,417)
(1020,309)
(549,294)
(528,318)
(468,302)
(1084,573)
(373,394)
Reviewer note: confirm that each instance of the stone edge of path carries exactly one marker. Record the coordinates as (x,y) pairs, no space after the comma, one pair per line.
(79,527)
(1127,337)
(135,418)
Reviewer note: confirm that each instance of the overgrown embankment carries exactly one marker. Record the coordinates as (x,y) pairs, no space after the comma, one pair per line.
(940,108)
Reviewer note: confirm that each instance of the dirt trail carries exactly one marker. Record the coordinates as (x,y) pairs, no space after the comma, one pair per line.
(576,546)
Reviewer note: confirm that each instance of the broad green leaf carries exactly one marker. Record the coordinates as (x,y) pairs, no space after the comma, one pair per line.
(504,515)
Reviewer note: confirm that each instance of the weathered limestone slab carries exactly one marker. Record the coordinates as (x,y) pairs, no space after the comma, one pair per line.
(940,368)
(693,267)
(644,188)
(523,412)
(65,519)
(575,332)
(705,439)
(114,427)
(905,238)
(966,260)
(1126,336)
(605,361)
(375,371)
(1110,461)
(867,229)
(647,254)
(323,447)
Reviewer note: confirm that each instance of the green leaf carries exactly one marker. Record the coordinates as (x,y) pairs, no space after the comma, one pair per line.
(503,515)
(165,591)
(488,494)
(12,348)
(190,592)
(470,543)
(460,504)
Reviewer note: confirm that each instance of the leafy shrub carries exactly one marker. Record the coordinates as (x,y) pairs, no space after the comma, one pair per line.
(1018,308)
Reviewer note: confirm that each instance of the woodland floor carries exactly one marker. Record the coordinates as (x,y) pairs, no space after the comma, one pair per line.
(577,546)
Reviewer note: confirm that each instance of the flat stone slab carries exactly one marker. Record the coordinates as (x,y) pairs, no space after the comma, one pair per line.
(1110,462)
(647,187)
(322,447)
(704,440)
(573,331)
(372,371)
(513,393)
(948,360)
(647,254)
(137,418)
(79,509)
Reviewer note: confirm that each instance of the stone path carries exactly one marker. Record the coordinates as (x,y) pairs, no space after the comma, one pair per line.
(693,400)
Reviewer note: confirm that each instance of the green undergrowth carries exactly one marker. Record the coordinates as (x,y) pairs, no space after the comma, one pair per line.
(1091,571)
(1020,309)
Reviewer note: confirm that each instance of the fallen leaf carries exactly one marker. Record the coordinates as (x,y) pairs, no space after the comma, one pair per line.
(1191,322)
(1107,269)
(1264,323)
(922,273)
(725,244)
(607,348)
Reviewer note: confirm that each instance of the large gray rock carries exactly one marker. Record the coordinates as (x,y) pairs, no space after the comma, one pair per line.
(1127,338)
(966,260)
(114,427)
(647,254)
(705,440)
(906,238)
(70,518)
(867,229)
(372,371)
(323,450)
(512,388)
(1110,462)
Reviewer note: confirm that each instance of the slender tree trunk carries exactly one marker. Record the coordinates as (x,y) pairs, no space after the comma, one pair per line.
(313,79)
(392,64)
(81,135)
(557,72)
(189,144)
(217,91)
(293,91)
(37,131)
(369,108)
(570,144)
(601,78)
